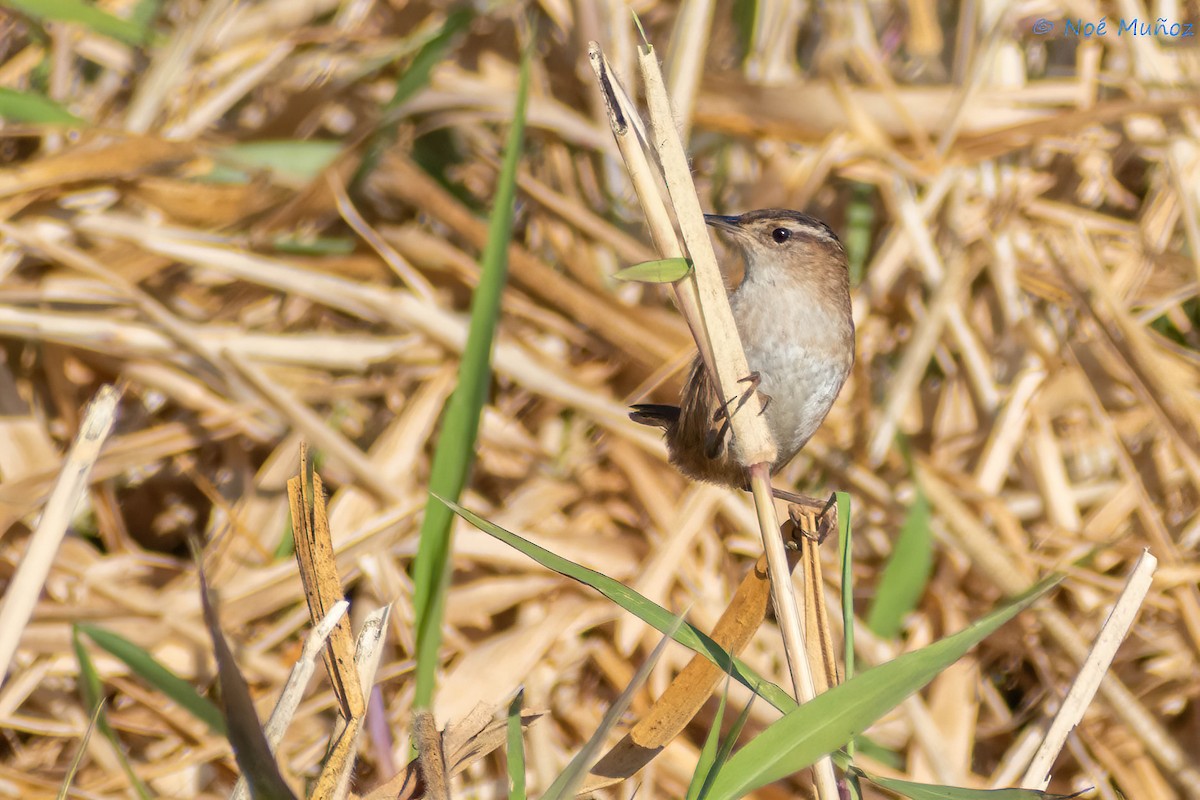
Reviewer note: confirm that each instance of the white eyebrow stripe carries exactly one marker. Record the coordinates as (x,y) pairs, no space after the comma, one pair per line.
(818,231)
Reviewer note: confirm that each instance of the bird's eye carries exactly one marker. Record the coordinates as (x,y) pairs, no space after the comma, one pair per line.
(781,235)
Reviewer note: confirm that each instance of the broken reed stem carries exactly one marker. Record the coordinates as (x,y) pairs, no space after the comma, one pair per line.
(625,124)
(751,442)
(705,303)
(787,613)
(33,568)
(1087,682)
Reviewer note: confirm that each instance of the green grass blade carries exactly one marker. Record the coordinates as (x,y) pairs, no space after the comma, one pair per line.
(708,753)
(927,791)
(456,444)
(158,676)
(745,12)
(906,574)
(565,785)
(860,217)
(846,560)
(250,747)
(726,750)
(665,270)
(34,108)
(516,749)
(64,790)
(828,721)
(295,161)
(92,689)
(415,78)
(641,607)
(84,14)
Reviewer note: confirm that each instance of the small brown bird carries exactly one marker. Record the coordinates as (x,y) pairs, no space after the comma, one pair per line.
(792,311)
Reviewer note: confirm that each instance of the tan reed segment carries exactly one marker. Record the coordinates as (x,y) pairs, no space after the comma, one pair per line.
(334,781)
(916,359)
(693,686)
(1092,671)
(1057,402)
(322,582)
(346,454)
(583,219)
(752,443)
(170,66)
(431,756)
(374,304)
(25,587)
(176,328)
(625,122)
(415,281)
(297,683)
(242,78)
(685,58)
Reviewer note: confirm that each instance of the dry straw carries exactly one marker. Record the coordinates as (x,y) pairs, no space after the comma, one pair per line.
(1022,211)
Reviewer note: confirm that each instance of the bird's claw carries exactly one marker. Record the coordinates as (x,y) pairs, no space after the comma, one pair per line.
(814,521)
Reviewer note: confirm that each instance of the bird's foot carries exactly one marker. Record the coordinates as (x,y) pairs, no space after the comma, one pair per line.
(754,379)
(815,519)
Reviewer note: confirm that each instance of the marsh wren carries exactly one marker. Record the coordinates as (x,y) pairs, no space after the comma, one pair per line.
(793,313)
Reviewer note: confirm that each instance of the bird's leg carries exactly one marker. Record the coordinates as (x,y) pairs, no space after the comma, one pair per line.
(814,518)
(714,441)
(754,379)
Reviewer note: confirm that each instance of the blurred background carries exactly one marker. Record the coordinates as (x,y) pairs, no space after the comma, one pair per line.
(264,218)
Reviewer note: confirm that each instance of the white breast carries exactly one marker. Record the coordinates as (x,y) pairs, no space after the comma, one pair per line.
(792,346)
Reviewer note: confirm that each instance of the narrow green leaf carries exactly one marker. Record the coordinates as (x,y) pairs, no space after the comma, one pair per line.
(744,12)
(84,14)
(455,451)
(158,676)
(829,721)
(92,689)
(726,750)
(34,108)
(293,160)
(638,22)
(708,753)
(64,789)
(571,778)
(143,14)
(641,607)
(665,270)
(416,77)
(316,246)
(906,574)
(250,747)
(846,560)
(516,749)
(869,748)
(926,791)
(413,79)
(860,217)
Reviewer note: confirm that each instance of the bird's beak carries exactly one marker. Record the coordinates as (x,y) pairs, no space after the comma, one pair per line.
(723,223)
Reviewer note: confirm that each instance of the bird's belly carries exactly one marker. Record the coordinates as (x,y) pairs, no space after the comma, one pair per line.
(802,386)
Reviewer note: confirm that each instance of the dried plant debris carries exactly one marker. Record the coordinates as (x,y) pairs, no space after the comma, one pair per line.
(263,222)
